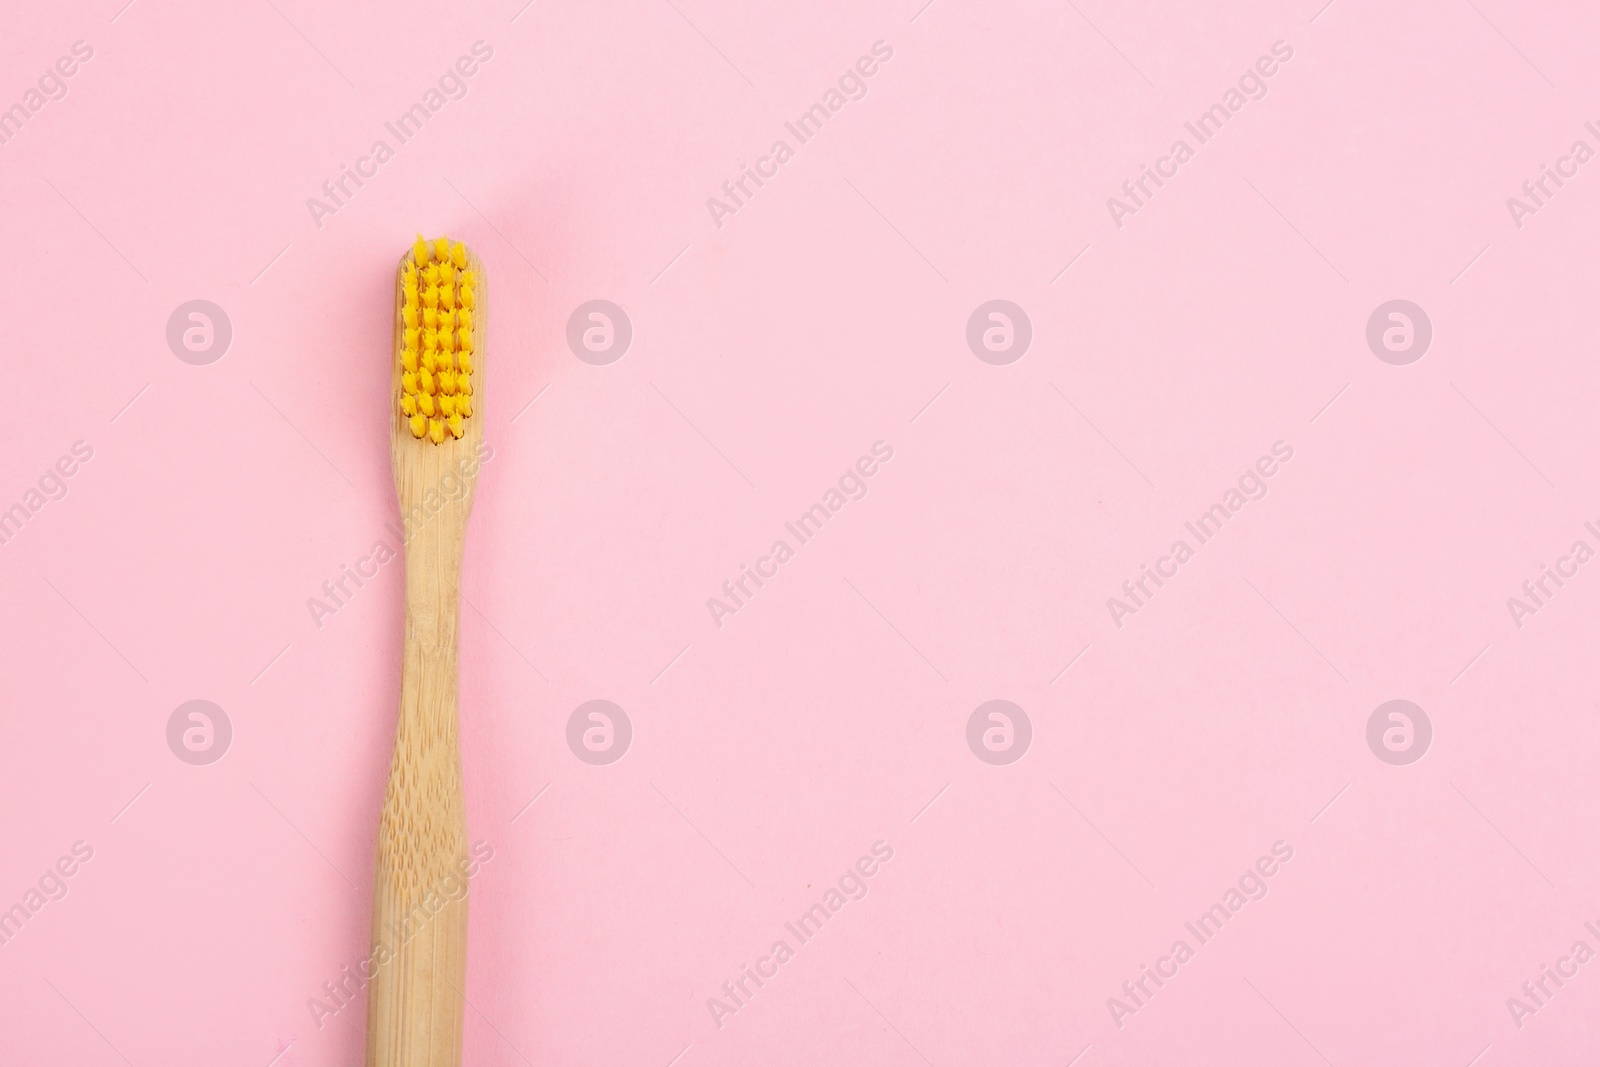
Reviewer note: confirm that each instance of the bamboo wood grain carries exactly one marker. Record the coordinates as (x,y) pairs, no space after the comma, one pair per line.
(416,998)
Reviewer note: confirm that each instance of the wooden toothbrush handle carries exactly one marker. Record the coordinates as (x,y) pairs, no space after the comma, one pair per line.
(416,998)
(414,1002)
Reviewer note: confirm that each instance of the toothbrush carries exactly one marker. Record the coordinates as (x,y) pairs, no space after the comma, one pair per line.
(416,996)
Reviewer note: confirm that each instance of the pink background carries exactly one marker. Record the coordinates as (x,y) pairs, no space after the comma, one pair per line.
(769,353)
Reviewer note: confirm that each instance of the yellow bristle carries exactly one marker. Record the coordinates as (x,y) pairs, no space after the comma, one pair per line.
(438,302)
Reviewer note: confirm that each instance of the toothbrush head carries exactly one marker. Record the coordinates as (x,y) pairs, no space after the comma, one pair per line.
(438,335)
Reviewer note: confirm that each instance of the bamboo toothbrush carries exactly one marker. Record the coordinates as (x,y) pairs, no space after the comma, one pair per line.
(416,996)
